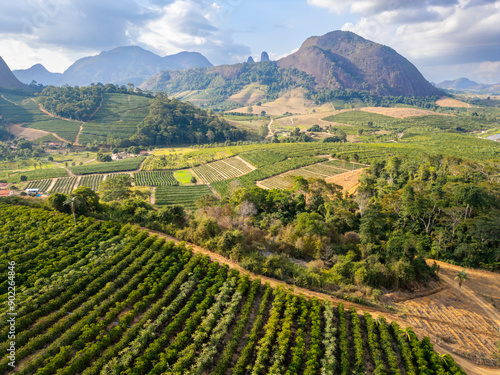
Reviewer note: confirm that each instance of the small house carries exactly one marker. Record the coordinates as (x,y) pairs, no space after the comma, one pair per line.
(6,193)
(32,191)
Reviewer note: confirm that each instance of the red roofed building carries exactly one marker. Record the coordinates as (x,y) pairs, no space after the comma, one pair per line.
(6,193)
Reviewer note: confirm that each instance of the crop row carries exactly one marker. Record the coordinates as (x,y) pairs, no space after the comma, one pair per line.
(124,302)
(155,178)
(181,195)
(64,185)
(109,167)
(92,181)
(221,170)
(43,185)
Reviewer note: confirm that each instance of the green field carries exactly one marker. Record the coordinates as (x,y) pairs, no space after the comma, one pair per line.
(182,195)
(184,177)
(40,174)
(67,130)
(64,185)
(43,185)
(92,181)
(109,167)
(118,117)
(155,178)
(123,301)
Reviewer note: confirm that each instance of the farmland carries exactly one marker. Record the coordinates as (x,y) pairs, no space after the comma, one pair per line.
(182,195)
(118,117)
(155,178)
(222,170)
(123,300)
(64,185)
(40,174)
(322,170)
(43,185)
(92,181)
(109,167)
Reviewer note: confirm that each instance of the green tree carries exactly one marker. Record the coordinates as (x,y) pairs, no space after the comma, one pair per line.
(116,188)
(461,277)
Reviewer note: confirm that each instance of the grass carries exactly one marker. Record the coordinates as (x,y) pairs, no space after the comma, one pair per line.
(184,177)
(181,195)
(109,167)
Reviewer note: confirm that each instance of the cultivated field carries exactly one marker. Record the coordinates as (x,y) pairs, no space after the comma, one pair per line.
(323,170)
(155,178)
(91,181)
(130,164)
(126,301)
(222,170)
(400,112)
(182,195)
(64,185)
(454,103)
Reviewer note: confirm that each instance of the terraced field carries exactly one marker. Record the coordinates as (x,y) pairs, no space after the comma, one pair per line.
(155,178)
(182,195)
(321,170)
(222,170)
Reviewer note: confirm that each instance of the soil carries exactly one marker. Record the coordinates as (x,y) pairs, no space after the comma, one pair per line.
(29,134)
(349,180)
(401,112)
(454,103)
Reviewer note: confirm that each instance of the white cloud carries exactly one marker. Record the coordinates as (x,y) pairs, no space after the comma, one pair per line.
(428,32)
(192,25)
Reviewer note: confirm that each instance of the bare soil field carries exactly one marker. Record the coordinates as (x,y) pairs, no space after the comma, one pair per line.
(460,320)
(349,180)
(29,134)
(293,102)
(454,103)
(401,112)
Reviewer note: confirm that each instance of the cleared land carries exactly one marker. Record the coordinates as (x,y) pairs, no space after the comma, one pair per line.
(323,170)
(454,103)
(401,112)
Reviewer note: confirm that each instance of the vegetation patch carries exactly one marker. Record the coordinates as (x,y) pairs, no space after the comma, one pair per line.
(181,195)
(130,164)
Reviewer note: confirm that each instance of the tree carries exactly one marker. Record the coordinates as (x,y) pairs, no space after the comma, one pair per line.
(23,178)
(461,276)
(73,203)
(116,188)
(88,198)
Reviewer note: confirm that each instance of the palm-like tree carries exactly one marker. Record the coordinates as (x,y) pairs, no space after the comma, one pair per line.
(406,333)
(73,202)
(461,276)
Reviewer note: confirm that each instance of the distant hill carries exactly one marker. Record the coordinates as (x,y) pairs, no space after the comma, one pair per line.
(39,74)
(344,60)
(333,62)
(119,66)
(465,84)
(8,80)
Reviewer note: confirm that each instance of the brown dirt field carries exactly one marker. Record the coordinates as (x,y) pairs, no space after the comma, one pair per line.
(349,180)
(447,313)
(459,320)
(305,121)
(454,103)
(400,112)
(293,102)
(29,134)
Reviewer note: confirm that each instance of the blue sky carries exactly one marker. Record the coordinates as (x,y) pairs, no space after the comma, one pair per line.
(445,39)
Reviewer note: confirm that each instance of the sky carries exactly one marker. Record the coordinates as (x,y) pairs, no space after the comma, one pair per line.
(445,39)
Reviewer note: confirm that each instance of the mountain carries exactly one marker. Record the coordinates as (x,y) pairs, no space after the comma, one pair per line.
(250,60)
(465,84)
(39,74)
(8,80)
(344,60)
(124,65)
(324,67)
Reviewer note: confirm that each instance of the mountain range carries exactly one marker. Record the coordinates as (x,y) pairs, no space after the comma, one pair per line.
(327,64)
(465,84)
(120,66)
